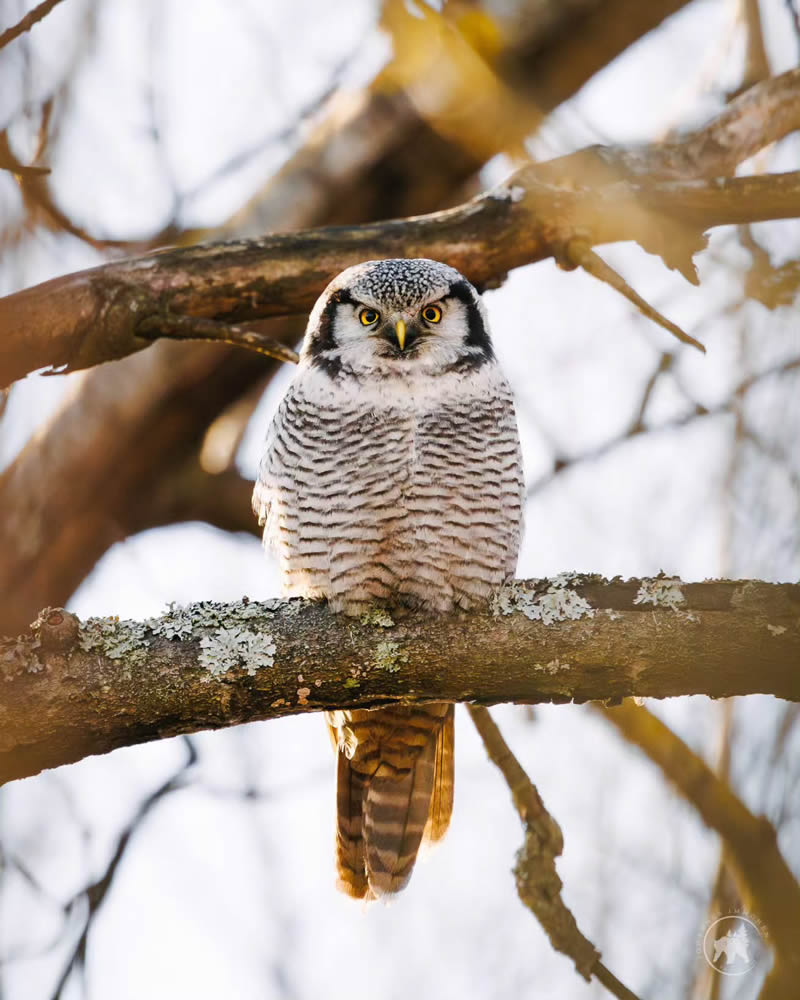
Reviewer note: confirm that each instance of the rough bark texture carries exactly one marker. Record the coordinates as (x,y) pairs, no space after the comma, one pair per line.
(69,691)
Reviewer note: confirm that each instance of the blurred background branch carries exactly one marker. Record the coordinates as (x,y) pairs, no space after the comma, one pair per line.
(763,876)
(26,23)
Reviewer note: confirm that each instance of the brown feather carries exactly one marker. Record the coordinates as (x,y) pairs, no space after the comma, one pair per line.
(350,863)
(443,781)
(394,781)
(395,813)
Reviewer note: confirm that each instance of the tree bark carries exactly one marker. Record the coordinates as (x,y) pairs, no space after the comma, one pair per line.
(70,689)
(653,195)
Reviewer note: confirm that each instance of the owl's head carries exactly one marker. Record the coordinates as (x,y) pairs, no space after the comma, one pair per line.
(392,317)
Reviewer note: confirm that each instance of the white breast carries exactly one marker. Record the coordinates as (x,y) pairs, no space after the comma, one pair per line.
(394,491)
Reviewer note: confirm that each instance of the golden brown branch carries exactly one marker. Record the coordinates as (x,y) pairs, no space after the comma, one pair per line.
(596,196)
(538,883)
(578,254)
(27,22)
(765,880)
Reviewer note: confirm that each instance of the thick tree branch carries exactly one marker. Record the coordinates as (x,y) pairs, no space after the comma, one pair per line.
(596,195)
(69,691)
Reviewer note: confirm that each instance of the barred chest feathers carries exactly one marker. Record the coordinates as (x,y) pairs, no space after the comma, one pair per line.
(396,489)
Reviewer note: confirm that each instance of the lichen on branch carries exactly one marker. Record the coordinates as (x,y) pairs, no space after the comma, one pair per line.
(70,688)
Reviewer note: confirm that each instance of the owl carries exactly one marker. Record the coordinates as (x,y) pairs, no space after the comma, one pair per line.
(392,478)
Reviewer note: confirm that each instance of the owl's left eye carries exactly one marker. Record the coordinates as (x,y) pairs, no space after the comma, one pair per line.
(432,314)
(369,317)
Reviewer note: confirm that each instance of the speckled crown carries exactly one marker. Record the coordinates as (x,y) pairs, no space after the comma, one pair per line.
(397,282)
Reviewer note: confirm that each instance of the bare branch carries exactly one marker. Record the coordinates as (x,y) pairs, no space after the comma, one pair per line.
(765,879)
(31,18)
(756,58)
(94,895)
(538,884)
(199,328)
(72,689)
(578,254)
(598,196)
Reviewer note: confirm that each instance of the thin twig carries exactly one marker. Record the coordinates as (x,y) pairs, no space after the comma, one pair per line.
(637,428)
(180,327)
(538,883)
(96,893)
(27,22)
(578,253)
(756,58)
(794,14)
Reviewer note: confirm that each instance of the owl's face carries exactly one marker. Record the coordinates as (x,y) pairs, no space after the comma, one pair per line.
(397,317)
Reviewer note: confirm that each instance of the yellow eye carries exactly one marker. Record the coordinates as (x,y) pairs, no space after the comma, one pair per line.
(432,314)
(369,317)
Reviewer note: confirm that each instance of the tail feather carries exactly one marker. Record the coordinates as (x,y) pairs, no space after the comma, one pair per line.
(394,786)
(443,781)
(395,814)
(350,862)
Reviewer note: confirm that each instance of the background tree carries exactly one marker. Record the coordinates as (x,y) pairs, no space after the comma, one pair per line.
(205,862)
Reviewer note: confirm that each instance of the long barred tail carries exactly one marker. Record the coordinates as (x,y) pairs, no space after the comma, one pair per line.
(394,786)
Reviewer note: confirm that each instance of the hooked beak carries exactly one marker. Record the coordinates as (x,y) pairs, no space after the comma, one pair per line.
(400,330)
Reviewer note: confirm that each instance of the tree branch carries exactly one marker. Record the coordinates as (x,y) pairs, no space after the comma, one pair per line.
(71,689)
(27,22)
(596,195)
(766,881)
(538,883)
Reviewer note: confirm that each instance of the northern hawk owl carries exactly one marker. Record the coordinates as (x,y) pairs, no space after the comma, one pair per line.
(392,477)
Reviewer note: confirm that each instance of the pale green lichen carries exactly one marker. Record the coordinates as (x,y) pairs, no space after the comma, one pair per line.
(662,592)
(377,616)
(180,622)
(389,656)
(226,631)
(115,639)
(557,603)
(351,682)
(176,623)
(16,659)
(229,648)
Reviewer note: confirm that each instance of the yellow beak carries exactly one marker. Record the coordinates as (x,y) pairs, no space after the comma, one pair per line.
(400,329)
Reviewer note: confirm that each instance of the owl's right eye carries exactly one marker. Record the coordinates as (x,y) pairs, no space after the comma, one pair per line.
(369,317)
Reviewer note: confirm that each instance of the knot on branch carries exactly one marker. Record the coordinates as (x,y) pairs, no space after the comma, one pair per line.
(56,629)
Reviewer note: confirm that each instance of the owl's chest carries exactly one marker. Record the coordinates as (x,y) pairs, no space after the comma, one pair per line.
(402,462)
(417,506)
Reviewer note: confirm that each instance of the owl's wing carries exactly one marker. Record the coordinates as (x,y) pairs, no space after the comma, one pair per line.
(263,489)
(269,470)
